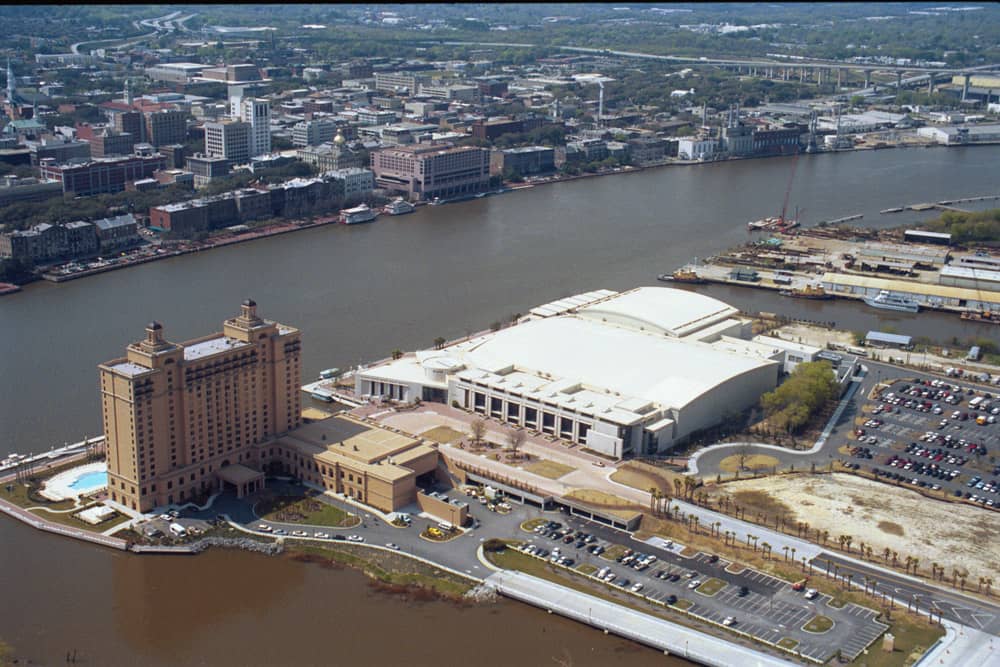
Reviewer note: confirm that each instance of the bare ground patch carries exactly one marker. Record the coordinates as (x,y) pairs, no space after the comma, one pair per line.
(933,531)
(890,527)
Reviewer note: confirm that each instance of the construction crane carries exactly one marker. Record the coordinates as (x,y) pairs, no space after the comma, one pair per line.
(788,192)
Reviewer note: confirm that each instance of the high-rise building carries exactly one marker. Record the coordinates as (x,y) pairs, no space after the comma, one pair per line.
(182,418)
(228,139)
(256,113)
(167,126)
(426,172)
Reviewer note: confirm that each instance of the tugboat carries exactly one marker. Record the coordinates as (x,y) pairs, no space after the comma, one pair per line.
(807,292)
(682,276)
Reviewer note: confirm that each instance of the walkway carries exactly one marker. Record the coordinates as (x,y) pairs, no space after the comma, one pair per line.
(41,524)
(649,630)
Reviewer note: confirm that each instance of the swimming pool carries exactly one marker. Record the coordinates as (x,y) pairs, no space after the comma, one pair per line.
(89,481)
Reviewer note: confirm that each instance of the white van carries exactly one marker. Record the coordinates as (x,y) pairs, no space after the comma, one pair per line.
(178,530)
(446,526)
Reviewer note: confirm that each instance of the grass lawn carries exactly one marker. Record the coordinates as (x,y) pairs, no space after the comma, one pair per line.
(68,519)
(389,568)
(295,509)
(683,604)
(788,643)
(586,568)
(643,476)
(606,500)
(912,639)
(531,524)
(818,624)
(753,462)
(18,495)
(444,434)
(711,587)
(613,552)
(549,469)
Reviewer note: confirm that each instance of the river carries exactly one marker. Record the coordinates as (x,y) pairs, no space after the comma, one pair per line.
(357,293)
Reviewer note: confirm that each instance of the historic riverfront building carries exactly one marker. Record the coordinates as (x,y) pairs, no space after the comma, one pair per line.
(181,417)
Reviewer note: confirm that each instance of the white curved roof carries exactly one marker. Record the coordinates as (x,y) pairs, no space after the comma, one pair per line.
(667,310)
(635,364)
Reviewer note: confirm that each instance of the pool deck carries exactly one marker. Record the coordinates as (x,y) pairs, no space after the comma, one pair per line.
(60,487)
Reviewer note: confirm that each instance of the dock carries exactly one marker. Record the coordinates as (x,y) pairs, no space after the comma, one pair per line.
(846,218)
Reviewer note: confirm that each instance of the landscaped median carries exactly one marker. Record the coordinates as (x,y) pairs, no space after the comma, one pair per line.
(711,587)
(305,510)
(818,625)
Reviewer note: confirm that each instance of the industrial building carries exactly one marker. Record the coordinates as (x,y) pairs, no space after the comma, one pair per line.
(926,294)
(623,374)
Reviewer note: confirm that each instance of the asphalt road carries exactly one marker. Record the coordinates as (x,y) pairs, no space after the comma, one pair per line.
(954,607)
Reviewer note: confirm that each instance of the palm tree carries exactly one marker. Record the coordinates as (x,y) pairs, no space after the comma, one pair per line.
(916,561)
(988,582)
(895,558)
(886,554)
(793,554)
(848,539)
(653,491)
(826,536)
(716,528)
(785,549)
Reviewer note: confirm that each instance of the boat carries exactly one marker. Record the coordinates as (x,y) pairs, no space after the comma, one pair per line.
(981,316)
(682,276)
(361,213)
(329,373)
(777,224)
(398,207)
(887,301)
(322,395)
(807,292)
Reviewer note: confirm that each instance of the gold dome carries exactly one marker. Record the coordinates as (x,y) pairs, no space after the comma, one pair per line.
(339,139)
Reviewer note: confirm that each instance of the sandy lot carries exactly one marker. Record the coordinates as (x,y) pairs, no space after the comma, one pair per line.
(933,531)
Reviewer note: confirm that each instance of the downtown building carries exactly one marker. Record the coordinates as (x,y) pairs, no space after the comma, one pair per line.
(102,175)
(182,418)
(423,172)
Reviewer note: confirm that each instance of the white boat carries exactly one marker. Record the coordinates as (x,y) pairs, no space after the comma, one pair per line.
(887,301)
(329,373)
(398,207)
(361,213)
(322,395)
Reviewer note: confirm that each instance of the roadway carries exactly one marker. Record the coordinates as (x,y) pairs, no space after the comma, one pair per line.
(952,606)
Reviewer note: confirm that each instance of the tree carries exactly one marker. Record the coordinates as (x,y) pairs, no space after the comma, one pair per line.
(515,439)
(806,391)
(396,354)
(439,342)
(743,452)
(478,430)
(494,545)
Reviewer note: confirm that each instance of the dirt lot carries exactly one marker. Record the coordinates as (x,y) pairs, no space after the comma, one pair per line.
(953,536)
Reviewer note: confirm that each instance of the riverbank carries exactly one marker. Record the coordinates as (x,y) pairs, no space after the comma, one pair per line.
(74,271)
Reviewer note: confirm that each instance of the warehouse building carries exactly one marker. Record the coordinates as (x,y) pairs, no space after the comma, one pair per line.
(927,295)
(629,373)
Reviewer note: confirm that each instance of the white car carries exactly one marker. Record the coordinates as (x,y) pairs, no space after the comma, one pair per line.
(694,584)
(322,536)
(811,593)
(636,587)
(300,533)
(264,527)
(355,538)
(392,545)
(728,620)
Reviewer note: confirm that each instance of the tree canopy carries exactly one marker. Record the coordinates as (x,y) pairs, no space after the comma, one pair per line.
(809,387)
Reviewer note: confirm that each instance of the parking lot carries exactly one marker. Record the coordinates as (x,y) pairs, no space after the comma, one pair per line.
(746,600)
(932,434)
